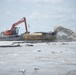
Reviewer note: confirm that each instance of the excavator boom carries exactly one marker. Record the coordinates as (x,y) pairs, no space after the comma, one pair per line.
(10,32)
(19,22)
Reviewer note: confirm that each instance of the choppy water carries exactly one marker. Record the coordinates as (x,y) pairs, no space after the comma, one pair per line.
(54,58)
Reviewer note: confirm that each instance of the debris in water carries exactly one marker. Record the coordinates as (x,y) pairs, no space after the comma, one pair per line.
(39,51)
(22,71)
(36,68)
(29,45)
(52,51)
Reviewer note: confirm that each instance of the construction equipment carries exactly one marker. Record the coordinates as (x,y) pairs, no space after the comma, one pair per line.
(14,30)
(36,36)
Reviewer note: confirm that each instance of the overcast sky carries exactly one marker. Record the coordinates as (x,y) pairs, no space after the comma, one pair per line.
(41,15)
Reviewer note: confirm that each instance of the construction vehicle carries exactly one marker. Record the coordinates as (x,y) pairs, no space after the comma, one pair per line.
(14,30)
(39,36)
(12,34)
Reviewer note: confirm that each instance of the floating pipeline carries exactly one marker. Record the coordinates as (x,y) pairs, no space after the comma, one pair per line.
(4,46)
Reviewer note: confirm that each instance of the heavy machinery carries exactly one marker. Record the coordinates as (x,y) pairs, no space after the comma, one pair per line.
(12,34)
(40,37)
(14,30)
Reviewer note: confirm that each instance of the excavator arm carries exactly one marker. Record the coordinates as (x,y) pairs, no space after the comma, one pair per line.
(19,22)
(10,32)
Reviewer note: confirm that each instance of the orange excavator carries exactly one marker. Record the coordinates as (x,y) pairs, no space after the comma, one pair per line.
(14,30)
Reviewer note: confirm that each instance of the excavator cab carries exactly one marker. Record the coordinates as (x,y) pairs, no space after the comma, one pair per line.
(15,31)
